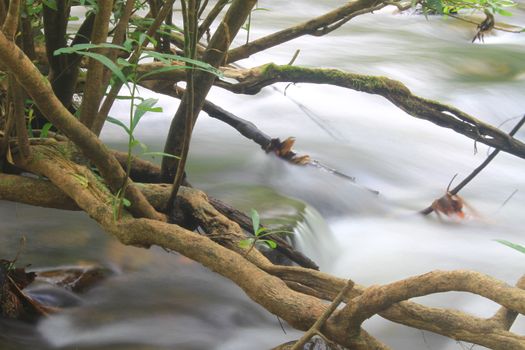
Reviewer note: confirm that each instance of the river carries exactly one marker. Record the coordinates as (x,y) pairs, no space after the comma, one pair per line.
(158,300)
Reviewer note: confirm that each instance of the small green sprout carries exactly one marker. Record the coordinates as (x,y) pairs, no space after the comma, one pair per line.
(259,235)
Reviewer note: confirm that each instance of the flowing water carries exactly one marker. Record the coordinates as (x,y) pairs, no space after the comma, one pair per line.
(163,301)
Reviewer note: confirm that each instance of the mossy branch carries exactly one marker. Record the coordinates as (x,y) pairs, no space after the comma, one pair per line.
(253,80)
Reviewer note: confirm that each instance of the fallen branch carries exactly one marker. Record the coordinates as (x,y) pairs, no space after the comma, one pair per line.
(492,332)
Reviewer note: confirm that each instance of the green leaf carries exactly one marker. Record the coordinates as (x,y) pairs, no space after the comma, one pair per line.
(128,44)
(163,70)
(125,97)
(269,243)
(142,108)
(436,5)
(166,58)
(45,130)
(83,47)
(126,202)
(246,243)
(124,62)
(260,231)
(108,63)
(52,4)
(503,12)
(119,123)
(255,220)
(161,154)
(144,147)
(518,247)
(144,36)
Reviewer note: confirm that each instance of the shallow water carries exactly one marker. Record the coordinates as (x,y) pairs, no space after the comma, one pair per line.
(160,300)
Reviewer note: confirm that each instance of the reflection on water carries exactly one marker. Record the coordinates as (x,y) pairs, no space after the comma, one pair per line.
(160,301)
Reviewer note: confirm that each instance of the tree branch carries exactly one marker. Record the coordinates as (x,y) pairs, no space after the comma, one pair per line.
(10,26)
(316,327)
(112,95)
(38,87)
(490,333)
(214,55)
(18,114)
(476,171)
(94,90)
(378,298)
(313,27)
(253,80)
(212,15)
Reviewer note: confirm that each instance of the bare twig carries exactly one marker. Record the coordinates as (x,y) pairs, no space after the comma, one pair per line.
(316,327)
(496,27)
(313,26)
(476,171)
(212,15)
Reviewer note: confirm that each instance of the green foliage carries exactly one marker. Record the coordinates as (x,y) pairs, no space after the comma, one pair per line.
(82,49)
(45,130)
(52,4)
(259,234)
(117,202)
(126,72)
(454,6)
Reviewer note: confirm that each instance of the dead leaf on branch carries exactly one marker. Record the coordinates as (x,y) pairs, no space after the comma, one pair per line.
(449,205)
(284,150)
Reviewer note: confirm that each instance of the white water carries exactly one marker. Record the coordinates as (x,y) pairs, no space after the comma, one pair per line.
(371,239)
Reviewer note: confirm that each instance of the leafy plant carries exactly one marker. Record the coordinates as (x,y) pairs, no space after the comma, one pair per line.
(126,72)
(259,233)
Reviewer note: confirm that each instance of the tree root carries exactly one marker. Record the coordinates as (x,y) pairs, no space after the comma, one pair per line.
(294,294)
